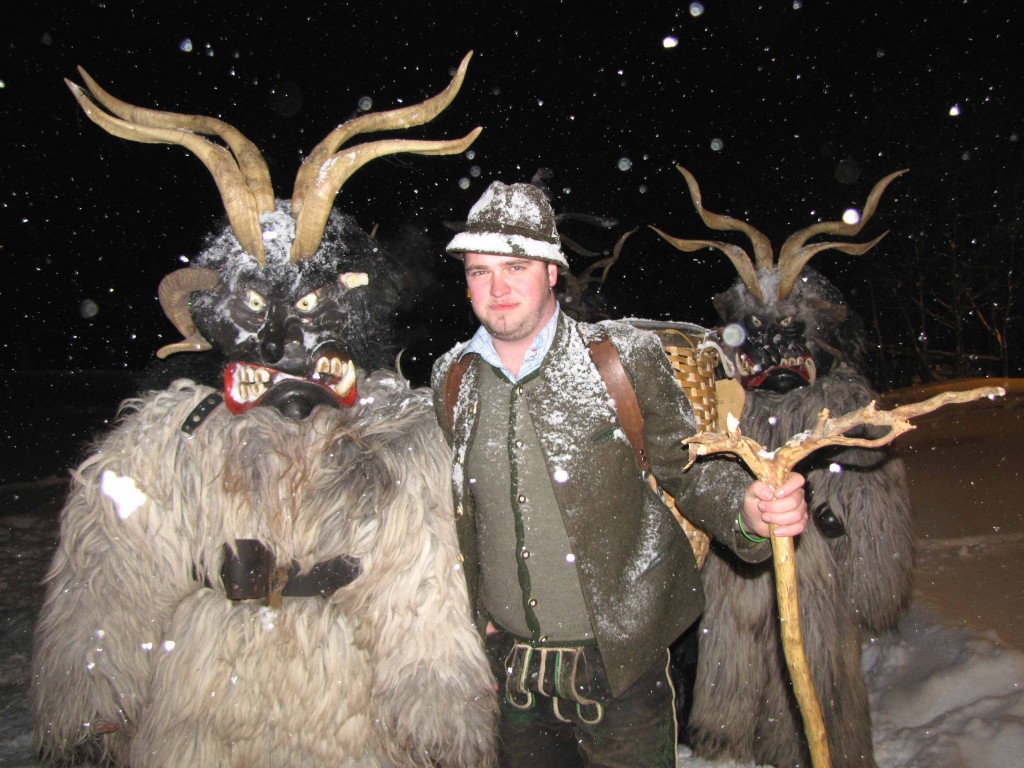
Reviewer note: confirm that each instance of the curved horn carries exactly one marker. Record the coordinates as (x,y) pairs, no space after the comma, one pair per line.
(250,161)
(572,245)
(605,264)
(794,255)
(243,183)
(739,258)
(175,292)
(762,246)
(325,170)
(406,117)
(789,271)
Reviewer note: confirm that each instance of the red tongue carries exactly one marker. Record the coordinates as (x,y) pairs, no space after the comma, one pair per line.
(232,386)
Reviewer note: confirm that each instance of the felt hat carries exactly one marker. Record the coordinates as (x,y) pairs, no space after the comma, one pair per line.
(511,220)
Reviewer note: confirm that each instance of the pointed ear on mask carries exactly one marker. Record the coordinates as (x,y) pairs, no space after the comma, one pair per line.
(354,279)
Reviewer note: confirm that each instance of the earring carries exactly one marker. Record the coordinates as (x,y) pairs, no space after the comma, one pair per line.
(468,295)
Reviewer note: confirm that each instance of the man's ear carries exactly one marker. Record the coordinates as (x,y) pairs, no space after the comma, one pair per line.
(552,274)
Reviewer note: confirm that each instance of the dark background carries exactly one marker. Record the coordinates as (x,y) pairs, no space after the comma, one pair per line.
(787,111)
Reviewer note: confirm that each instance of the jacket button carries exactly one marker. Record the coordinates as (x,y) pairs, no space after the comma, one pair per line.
(522,499)
(526,554)
(533,602)
(458,509)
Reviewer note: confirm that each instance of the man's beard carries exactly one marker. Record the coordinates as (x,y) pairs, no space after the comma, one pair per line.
(506,328)
(504,331)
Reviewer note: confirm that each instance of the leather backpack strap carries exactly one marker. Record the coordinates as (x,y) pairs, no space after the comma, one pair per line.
(616,381)
(452,385)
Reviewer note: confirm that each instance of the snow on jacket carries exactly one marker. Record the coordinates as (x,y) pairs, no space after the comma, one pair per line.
(637,569)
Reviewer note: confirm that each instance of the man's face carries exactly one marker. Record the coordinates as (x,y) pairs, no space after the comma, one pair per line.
(511,296)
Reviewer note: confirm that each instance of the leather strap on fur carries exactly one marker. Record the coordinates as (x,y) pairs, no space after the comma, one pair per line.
(200,412)
(250,573)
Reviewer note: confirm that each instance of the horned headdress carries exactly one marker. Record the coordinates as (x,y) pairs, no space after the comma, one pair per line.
(785,324)
(243,179)
(795,252)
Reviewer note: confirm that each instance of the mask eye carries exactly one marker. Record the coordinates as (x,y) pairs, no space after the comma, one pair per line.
(754,321)
(308,302)
(255,302)
(787,321)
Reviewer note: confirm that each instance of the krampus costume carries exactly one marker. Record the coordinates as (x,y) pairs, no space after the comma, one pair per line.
(796,348)
(267,576)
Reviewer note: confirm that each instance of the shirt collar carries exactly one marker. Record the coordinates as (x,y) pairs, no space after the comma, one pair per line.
(482,344)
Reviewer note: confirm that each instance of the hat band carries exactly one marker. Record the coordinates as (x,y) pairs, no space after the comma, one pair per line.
(510,229)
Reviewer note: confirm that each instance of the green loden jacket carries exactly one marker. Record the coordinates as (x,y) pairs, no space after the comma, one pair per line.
(636,566)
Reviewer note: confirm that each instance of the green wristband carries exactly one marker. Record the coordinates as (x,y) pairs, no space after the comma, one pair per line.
(747,536)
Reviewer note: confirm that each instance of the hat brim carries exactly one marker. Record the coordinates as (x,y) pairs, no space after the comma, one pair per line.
(497,244)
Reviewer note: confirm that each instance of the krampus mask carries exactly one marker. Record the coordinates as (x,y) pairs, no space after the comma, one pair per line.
(294,295)
(795,347)
(278,585)
(785,324)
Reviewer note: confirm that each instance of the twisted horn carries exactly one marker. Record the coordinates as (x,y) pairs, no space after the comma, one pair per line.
(740,259)
(241,175)
(175,292)
(762,246)
(606,264)
(325,170)
(794,255)
(572,245)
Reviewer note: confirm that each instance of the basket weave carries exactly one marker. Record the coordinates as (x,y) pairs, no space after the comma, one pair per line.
(694,370)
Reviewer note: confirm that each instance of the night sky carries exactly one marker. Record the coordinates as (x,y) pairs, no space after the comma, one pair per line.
(787,111)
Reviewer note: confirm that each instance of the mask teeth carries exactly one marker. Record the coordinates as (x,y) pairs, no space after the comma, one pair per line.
(811,368)
(251,383)
(342,374)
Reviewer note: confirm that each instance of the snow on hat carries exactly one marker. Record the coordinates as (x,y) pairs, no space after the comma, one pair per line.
(514,220)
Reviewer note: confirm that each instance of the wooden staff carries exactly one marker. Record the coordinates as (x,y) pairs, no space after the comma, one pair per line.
(772,467)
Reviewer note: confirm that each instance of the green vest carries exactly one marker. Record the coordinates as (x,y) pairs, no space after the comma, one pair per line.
(529,583)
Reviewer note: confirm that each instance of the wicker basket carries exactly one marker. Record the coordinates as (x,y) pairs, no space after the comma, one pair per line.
(694,368)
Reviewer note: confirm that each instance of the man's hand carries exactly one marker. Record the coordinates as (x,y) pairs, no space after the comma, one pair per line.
(785,507)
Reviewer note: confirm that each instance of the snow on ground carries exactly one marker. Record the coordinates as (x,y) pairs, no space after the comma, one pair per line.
(947,688)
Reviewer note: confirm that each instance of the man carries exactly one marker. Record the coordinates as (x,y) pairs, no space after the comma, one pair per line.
(579,576)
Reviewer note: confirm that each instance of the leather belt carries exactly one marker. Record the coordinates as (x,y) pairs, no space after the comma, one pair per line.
(200,412)
(250,573)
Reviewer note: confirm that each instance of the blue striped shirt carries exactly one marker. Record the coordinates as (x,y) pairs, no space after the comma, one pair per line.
(482,344)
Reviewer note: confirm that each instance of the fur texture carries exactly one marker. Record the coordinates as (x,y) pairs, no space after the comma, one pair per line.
(388,671)
(744,707)
(854,561)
